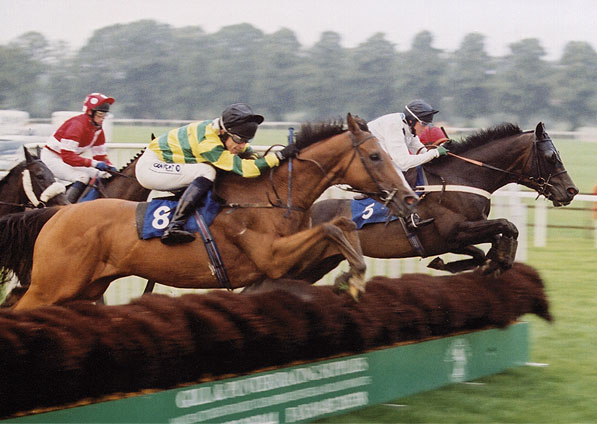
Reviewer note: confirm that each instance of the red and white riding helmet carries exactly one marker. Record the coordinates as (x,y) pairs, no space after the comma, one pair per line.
(93,101)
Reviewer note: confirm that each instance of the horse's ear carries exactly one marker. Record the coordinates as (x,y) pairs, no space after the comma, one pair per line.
(353,127)
(28,156)
(152,136)
(540,131)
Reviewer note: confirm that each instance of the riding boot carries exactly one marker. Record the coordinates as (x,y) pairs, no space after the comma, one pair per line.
(414,221)
(189,201)
(74,191)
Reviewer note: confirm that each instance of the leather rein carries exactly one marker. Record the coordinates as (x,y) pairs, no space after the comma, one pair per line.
(384,195)
(541,183)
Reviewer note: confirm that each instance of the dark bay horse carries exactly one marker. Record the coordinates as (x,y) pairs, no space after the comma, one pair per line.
(30,184)
(122,184)
(457,193)
(83,247)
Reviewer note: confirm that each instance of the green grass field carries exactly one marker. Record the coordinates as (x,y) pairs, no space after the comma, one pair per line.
(562,392)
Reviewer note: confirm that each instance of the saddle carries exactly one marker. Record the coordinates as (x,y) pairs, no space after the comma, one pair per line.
(153,217)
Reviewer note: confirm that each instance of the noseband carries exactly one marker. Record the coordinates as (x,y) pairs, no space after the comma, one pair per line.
(543,183)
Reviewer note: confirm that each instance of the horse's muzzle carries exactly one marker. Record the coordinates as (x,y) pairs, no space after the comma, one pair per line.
(399,205)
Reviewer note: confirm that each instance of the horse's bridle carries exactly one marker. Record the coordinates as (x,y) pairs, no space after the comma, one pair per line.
(46,194)
(540,183)
(385,195)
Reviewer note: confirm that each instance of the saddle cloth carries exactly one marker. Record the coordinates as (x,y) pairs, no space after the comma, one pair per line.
(153,217)
(368,211)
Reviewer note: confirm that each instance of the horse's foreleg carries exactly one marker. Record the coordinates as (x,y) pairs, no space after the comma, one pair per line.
(502,235)
(476,232)
(297,252)
(478,259)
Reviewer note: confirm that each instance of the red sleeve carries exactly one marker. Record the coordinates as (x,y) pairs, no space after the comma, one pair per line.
(74,159)
(101,140)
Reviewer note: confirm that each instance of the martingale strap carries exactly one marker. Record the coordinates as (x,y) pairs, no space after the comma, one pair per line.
(217,266)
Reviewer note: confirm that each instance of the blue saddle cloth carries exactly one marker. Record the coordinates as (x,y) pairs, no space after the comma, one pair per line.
(368,211)
(153,217)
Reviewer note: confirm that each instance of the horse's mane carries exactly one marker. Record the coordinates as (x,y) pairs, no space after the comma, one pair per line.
(134,158)
(17,169)
(482,137)
(311,133)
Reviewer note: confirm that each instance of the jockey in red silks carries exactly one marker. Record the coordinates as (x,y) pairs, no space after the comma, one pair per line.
(64,150)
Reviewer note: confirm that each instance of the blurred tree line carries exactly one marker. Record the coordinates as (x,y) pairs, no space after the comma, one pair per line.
(157,71)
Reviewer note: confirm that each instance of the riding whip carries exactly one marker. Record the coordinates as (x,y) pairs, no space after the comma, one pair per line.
(289,201)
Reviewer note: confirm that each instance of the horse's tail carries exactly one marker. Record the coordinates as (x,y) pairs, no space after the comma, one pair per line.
(18,232)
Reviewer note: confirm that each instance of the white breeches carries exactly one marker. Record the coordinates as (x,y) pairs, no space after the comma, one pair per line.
(65,172)
(154,174)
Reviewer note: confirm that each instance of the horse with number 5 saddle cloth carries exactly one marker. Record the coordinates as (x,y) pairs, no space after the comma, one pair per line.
(455,192)
(76,251)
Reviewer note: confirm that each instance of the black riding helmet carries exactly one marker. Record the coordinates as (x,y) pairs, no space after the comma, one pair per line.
(418,111)
(238,119)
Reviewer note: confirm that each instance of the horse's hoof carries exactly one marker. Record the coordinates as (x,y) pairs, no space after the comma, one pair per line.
(354,285)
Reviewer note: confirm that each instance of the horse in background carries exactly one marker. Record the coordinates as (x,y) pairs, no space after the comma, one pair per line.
(30,184)
(122,184)
(456,193)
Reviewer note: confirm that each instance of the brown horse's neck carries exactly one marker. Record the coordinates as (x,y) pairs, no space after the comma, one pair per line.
(125,185)
(511,156)
(313,172)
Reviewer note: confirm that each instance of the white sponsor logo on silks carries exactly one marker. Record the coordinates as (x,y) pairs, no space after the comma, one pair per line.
(172,168)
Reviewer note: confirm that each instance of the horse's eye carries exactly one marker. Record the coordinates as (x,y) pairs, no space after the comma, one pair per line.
(553,158)
(375,156)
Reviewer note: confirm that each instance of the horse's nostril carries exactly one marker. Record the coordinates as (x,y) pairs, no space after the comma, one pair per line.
(573,191)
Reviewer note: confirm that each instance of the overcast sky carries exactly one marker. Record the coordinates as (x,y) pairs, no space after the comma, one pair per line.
(553,22)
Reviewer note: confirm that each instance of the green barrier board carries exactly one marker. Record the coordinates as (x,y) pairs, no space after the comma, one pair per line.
(317,389)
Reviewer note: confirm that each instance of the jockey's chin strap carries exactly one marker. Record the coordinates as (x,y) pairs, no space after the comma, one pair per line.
(50,192)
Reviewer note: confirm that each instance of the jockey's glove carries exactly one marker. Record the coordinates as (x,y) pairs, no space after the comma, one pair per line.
(289,151)
(103,166)
(442,151)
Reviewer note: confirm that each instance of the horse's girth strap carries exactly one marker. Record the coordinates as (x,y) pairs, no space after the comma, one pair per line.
(453,187)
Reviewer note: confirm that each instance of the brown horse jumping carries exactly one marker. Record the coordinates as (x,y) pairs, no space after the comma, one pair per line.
(83,247)
(456,194)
